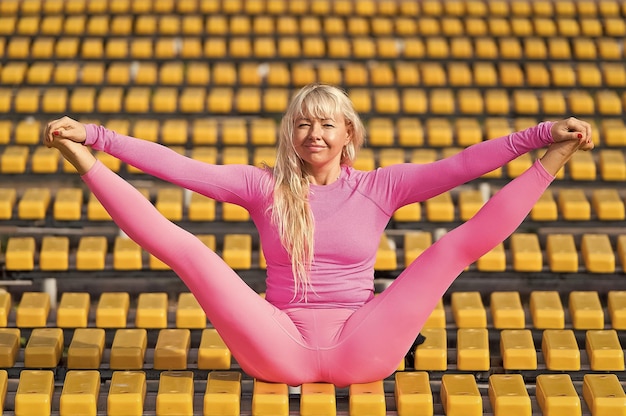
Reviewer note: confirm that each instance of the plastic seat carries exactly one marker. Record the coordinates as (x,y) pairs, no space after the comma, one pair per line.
(34,392)
(603,393)
(525,102)
(584,48)
(588,75)
(573,205)
(386,255)
(460,395)
(43,348)
(468,310)
(127,393)
(432,354)
(239,47)
(109,100)
(517,349)
(586,310)
(223,391)
(197,74)
(597,253)
(473,349)
(172,349)
(508,394)
(485,49)
(612,165)
(409,132)
(560,350)
(91,253)
(555,392)
(608,49)
(412,393)
(439,132)
(189,314)
(535,48)
(547,310)
(613,75)
(604,350)
(414,244)
(559,49)
(215,48)
(561,253)
(367,398)
(80,392)
(607,205)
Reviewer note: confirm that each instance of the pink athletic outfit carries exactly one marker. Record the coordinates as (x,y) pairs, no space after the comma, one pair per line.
(341,334)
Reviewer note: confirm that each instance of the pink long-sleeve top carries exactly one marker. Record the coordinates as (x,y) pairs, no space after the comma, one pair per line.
(350,214)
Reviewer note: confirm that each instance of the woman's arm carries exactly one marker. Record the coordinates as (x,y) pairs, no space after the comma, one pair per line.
(417,183)
(229,183)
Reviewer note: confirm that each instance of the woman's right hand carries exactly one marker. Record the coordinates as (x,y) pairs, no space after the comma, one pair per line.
(64,128)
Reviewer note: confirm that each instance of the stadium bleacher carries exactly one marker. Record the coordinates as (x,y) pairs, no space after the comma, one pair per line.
(92,324)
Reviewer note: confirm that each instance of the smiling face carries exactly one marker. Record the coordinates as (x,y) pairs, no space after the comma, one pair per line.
(319,142)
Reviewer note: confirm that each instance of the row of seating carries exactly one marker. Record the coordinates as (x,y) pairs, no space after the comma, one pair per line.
(593,253)
(501,310)
(313,47)
(173,350)
(484,75)
(204,135)
(610,166)
(147,24)
(547,8)
(524,102)
(176,393)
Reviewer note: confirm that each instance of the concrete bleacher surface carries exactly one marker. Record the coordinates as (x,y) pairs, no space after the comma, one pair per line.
(92,324)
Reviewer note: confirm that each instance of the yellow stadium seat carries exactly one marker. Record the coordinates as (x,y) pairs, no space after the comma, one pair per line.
(412,393)
(604,350)
(597,253)
(603,393)
(10,347)
(189,313)
(127,393)
(573,205)
(560,350)
(460,395)
(367,398)
(270,398)
(151,310)
(223,391)
(607,205)
(609,49)
(527,255)
(432,354)
(172,349)
(517,349)
(34,392)
(585,310)
(561,252)
(14,159)
(485,49)
(80,392)
(175,393)
(128,349)
(473,349)
(86,349)
(508,394)
(546,310)
(54,254)
(468,310)
(44,348)
(506,310)
(27,100)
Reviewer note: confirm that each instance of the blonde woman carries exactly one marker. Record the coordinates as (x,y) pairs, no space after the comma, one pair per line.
(319,222)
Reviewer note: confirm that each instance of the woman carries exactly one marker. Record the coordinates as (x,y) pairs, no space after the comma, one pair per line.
(319,222)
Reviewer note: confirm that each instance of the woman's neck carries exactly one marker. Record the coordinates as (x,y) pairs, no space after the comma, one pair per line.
(324,177)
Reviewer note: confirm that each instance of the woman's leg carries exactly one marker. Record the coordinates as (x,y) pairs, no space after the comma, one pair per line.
(262,338)
(377,336)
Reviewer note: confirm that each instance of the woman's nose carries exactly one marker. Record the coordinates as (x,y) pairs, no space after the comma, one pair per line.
(315,131)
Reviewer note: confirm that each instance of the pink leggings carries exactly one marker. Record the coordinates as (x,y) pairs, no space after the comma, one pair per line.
(302,345)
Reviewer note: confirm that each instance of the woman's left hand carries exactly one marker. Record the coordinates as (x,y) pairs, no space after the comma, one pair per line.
(573,129)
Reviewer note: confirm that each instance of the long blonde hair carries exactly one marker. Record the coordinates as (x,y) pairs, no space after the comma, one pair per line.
(290,209)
